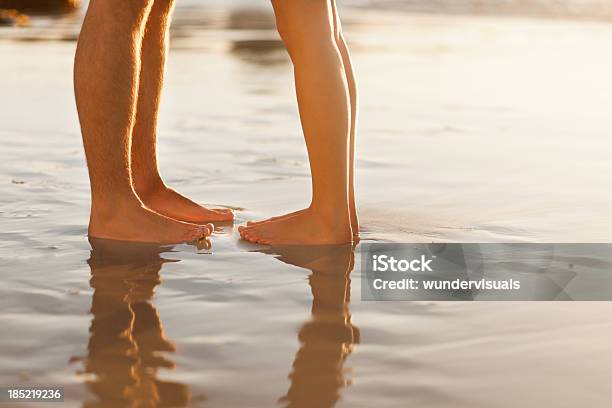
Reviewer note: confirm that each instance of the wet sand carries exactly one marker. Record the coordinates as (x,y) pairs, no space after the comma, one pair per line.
(473,129)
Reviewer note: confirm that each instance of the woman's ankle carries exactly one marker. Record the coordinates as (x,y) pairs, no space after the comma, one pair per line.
(336,217)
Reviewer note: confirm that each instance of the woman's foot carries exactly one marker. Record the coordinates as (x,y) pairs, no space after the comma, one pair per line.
(168,202)
(305,227)
(273,219)
(136,223)
(353,214)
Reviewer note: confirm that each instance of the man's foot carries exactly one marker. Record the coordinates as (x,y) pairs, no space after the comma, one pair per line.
(305,227)
(168,202)
(136,223)
(353,213)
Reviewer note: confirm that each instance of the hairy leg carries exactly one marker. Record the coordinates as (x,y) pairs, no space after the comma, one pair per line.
(106,87)
(307,29)
(350,78)
(148,183)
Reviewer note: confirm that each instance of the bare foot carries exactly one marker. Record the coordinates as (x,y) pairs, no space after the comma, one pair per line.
(134,222)
(353,213)
(168,202)
(277,218)
(305,227)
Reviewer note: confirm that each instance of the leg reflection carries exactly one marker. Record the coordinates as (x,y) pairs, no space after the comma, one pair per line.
(126,334)
(327,339)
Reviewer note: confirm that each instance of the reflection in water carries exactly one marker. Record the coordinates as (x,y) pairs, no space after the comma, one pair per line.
(127,345)
(126,334)
(327,339)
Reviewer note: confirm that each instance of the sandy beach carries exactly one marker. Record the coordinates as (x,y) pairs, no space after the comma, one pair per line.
(488,128)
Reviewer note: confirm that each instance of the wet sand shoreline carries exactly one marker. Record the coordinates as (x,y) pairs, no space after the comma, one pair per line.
(480,130)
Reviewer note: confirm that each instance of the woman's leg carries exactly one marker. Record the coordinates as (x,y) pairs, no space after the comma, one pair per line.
(352,84)
(106,71)
(350,78)
(307,29)
(145,172)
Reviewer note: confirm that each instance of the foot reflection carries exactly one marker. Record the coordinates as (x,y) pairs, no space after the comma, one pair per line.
(127,342)
(327,339)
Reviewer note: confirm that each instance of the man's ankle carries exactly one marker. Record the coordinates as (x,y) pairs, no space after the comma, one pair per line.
(115,204)
(148,186)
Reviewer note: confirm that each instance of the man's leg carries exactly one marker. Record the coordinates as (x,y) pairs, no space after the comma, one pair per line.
(350,78)
(106,86)
(145,173)
(307,29)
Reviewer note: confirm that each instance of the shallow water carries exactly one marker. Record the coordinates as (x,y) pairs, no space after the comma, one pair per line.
(472,129)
